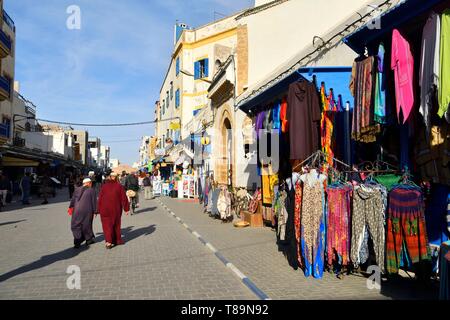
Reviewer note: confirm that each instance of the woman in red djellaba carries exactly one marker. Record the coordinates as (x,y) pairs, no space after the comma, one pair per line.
(112,201)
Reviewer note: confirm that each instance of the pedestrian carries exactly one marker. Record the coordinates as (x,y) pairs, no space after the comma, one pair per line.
(123,178)
(147,187)
(112,201)
(84,204)
(45,187)
(132,183)
(25,187)
(72,181)
(4,187)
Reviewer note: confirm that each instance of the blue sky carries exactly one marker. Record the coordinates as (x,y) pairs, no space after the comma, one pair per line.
(111,70)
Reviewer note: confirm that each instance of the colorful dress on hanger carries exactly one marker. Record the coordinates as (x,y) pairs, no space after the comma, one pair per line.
(297,219)
(406,228)
(338,224)
(313,223)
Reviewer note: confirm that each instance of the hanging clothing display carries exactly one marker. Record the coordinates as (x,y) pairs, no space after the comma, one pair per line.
(364,129)
(444,76)
(380,88)
(338,224)
(429,66)
(326,123)
(312,223)
(406,229)
(304,115)
(282,214)
(297,218)
(283,116)
(402,63)
(368,218)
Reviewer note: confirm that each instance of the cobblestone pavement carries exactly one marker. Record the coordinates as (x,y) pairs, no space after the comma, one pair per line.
(160,259)
(255,253)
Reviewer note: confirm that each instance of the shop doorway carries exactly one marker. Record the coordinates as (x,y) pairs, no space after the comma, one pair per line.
(227,143)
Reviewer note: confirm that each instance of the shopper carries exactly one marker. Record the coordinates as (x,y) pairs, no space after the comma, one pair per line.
(147,187)
(72,181)
(132,183)
(25,187)
(46,183)
(84,204)
(112,201)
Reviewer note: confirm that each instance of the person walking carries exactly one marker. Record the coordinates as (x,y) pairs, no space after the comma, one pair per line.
(123,178)
(132,183)
(72,182)
(147,187)
(25,187)
(84,204)
(112,201)
(45,187)
(4,187)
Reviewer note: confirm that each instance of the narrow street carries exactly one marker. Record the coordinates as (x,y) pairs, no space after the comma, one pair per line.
(161,259)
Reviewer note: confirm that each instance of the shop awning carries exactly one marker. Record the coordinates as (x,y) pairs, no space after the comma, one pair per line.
(18,162)
(390,19)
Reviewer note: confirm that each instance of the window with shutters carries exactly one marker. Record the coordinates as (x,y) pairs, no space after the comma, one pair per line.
(201,69)
(177,98)
(177,66)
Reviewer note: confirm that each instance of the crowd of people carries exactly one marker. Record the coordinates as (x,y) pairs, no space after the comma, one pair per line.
(107,197)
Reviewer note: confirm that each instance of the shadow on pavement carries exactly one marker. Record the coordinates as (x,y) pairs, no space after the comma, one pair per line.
(144,210)
(71,252)
(129,234)
(11,222)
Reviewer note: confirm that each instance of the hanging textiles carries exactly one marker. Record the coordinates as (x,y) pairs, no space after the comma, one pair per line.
(283,116)
(388,180)
(429,66)
(368,218)
(304,116)
(276,121)
(448,214)
(326,123)
(364,129)
(444,289)
(380,88)
(402,63)
(406,229)
(297,219)
(313,223)
(269,180)
(338,224)
(444,77)
(282,214)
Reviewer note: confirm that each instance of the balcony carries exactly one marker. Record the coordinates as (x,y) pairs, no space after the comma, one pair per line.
(5,88)
(7,19)
(4,130)
(5,44)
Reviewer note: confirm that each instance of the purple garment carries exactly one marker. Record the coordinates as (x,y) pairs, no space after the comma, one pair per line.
(84,203)
(260,118)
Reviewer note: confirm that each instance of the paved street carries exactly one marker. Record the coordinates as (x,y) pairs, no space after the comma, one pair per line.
(160,260)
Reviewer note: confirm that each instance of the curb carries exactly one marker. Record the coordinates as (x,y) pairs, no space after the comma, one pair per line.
(245,280)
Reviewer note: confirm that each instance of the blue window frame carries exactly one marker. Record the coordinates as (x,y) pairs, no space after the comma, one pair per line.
(177,98)
(201,69)
(177,66)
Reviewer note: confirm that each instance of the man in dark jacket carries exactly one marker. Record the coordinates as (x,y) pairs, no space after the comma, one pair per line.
(147,187)
(25,186)
(132,183)
(84,204)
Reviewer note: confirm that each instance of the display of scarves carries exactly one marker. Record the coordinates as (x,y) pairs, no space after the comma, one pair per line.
(297,218)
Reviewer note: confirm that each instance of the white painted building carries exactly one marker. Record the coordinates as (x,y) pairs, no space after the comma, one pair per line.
(114,163)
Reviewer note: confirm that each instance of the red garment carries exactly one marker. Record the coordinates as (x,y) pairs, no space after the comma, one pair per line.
(283,114)
(112,200)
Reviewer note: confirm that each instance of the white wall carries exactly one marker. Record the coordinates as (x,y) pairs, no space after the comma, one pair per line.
(275,35)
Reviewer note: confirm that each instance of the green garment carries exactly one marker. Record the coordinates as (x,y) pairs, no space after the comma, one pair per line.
(444,78)
(388,180)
